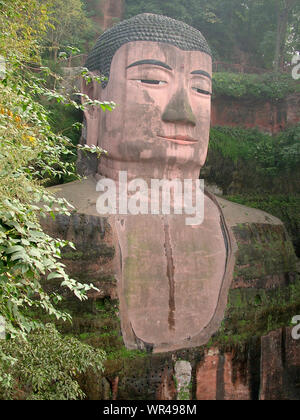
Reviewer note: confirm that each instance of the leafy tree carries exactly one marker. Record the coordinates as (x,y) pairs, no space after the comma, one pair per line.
(69,26)
(28,150)
(30,154)
(284,10)
(269,86)
(238,31)
(23,25)
(46,366)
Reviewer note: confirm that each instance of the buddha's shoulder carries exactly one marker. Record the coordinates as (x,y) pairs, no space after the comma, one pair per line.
(237,214)
(264,253)
(81,194)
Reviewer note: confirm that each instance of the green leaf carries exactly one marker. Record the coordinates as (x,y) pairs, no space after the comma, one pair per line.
(16,248)
(54,275)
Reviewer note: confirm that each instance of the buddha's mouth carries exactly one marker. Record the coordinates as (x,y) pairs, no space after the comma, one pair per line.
(180,139)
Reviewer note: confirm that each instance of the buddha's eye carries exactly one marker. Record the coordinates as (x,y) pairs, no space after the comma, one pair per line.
(202,91)
(152,82)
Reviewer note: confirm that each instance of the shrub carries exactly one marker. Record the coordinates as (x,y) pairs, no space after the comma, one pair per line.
(45,366)
(268,86)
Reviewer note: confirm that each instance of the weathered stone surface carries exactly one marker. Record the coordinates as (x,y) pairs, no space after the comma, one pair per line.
(183,376)
(207,374)
(91,261)
(272,367)
(108,12)
(224,377)
(271,117)
(147,378)
(275,370)
(272,372)
(168,296)
(167,389)
(236,379)
(280,366)
(112,12)
(215,374)
(265,257)
(220,377)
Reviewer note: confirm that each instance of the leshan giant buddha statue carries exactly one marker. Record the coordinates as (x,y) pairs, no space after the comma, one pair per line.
(173,278)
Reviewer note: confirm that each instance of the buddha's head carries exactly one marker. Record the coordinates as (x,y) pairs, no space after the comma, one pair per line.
(159,75)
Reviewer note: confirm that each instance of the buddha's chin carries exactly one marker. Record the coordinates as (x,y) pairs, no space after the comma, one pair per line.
(146,171)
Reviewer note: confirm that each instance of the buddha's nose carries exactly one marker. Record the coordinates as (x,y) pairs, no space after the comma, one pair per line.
(179,109)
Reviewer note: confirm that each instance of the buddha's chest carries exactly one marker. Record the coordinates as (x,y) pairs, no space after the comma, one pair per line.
(170,276)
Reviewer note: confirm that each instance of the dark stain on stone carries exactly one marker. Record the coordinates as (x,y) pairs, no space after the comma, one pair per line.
(142,345)
(220,393)
(102,228)
(170,275)
(172,161)
(254,362)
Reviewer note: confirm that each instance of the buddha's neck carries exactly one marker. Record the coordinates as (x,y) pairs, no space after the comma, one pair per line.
(147,171)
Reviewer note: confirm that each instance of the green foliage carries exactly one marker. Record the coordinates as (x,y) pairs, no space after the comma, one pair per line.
(259,171)
(267,86)
(22,26)
(285,207)
(65,121)
(234,143)
(27,253)
(29,151)
(93,8)
(253,313)
(45,366)
(32,154)
(100,328)
(26,135)
(69,26)
(238,32)
(241,160)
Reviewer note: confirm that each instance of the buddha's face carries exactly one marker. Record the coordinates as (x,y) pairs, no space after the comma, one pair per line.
(160,127)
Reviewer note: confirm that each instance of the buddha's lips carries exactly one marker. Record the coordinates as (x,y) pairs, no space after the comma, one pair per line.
(179,139)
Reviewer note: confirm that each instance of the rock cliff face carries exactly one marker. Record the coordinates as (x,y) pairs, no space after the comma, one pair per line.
(112,12)
(270,371)
(107,12)
(252,356)
(280,366)
(267,116)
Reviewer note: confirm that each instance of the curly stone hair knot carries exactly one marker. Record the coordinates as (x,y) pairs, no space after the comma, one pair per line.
(144,27)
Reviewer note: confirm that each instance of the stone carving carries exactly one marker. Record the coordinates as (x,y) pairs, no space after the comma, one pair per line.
(173,279)
(183,375)
(144,27)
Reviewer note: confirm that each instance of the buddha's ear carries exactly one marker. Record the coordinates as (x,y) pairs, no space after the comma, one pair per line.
(92,90)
